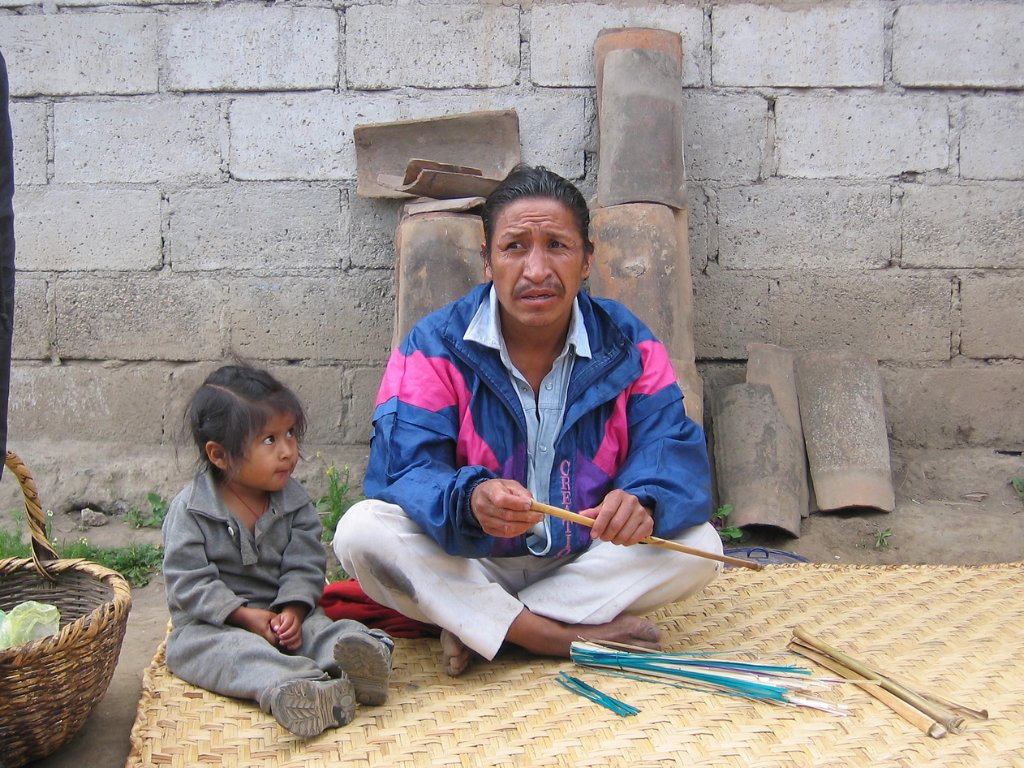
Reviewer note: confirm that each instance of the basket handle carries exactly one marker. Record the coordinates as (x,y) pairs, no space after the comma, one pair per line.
(41,549)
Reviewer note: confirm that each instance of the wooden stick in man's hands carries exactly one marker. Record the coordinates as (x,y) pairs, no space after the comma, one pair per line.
(573,517)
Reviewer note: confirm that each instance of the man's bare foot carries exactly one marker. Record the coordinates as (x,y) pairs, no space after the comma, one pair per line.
(627,629)
(547,637)
(455,654)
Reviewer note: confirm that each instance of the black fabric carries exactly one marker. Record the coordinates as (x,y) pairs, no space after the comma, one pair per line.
(6,251)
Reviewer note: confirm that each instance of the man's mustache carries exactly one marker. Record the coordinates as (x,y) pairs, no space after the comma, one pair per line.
(554,286)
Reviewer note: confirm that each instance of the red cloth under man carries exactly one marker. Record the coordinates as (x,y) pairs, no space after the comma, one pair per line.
(346,600)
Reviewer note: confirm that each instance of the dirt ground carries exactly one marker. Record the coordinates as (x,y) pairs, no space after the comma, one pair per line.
(953,507)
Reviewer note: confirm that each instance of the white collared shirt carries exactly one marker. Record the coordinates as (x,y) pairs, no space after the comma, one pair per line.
(545,410)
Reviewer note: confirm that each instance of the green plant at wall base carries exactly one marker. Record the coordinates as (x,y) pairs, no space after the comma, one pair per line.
(155,519)
(12,546)
(136,562)
(882,537)
(728,533)
(1018,486)
(335,501)
(336,574)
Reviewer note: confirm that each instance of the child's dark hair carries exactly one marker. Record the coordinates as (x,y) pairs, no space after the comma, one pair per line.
(233,405)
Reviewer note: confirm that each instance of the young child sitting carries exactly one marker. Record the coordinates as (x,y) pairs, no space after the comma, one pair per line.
(245,567)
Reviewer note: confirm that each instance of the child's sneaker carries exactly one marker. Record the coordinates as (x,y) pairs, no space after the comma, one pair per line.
(365,656)
(310,707)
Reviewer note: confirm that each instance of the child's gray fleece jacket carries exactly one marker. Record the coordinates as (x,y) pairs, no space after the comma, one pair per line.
(213,564)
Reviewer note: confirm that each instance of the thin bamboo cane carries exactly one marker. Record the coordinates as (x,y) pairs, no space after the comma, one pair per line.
(951,721)
(573,517)
(915,717)
(981,714)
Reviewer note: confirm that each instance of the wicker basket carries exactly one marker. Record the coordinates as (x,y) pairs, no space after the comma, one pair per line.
(48,687)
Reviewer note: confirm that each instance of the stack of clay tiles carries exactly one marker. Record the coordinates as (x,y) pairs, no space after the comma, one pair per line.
(639,222)
(817,415)
(800,415)
(443,168)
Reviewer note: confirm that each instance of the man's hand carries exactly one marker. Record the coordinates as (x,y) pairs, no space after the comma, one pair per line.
(502,507)
(620,518)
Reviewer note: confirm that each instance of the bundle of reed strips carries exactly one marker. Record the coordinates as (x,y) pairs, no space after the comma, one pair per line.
(933,714)
(713,672)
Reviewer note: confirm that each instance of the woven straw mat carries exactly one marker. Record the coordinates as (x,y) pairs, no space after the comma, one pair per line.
(953,631)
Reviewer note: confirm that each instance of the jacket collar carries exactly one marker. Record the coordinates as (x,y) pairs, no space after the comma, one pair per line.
(599,328)
(485,328)
(614,363)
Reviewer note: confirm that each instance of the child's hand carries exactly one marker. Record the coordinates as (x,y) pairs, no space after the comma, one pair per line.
(256,620)
(287,626)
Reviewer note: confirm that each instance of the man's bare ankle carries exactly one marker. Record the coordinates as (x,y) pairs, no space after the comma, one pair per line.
(455,654)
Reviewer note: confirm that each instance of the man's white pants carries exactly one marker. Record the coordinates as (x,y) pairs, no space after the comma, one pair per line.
(400,566)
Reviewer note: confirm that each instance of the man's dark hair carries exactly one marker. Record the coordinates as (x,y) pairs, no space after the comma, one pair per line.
(527,181)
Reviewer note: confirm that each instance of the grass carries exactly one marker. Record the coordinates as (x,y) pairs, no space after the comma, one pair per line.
(336,574)
(335,501)
(11,546)
(332,505)
(155,519)
(1018,486)
(136,562)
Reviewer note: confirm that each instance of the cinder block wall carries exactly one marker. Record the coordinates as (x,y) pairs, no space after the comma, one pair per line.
(186,191)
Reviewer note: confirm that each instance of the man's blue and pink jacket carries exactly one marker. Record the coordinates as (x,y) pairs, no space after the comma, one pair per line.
(448,417)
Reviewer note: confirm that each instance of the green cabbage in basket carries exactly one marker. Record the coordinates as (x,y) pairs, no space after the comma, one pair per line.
(28,621)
